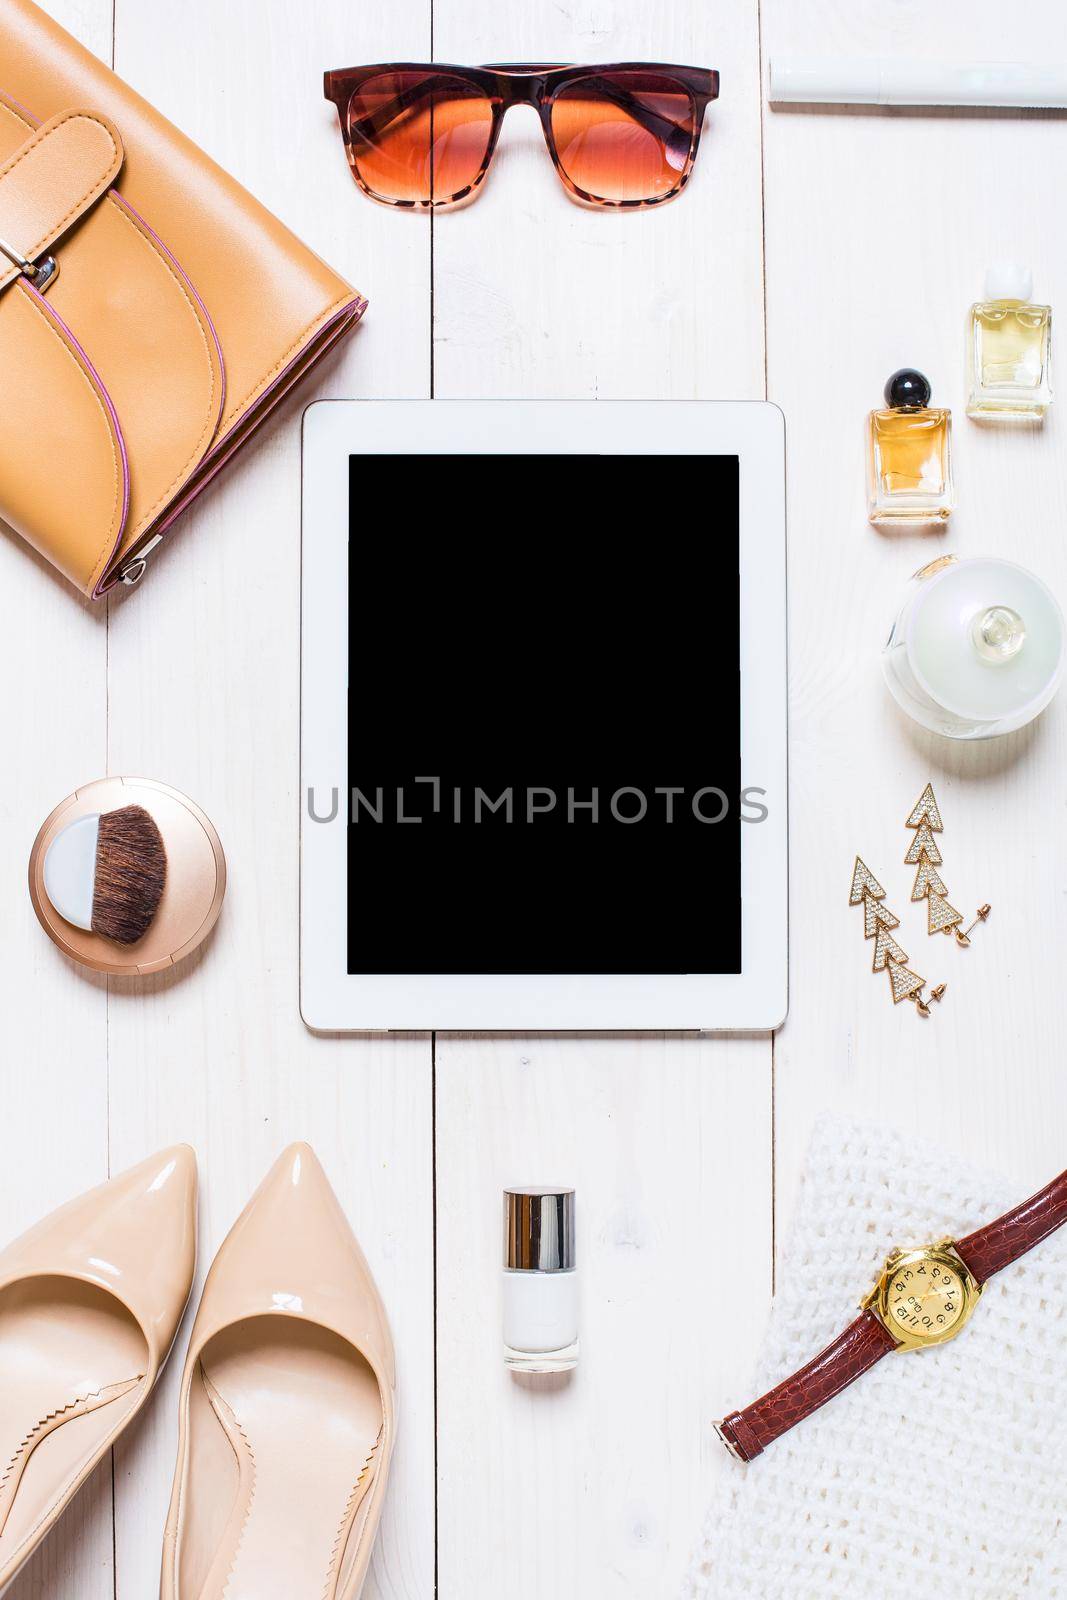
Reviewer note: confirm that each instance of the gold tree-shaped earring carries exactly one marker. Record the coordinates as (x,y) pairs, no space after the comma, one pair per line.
(889,956)
(925,855)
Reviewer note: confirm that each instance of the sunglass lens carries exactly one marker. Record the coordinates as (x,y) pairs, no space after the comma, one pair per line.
(625,137)
(418,138)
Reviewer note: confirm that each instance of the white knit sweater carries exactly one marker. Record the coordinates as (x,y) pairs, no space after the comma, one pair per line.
(939,1473)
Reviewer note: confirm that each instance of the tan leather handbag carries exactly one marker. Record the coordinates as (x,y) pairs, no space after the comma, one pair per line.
(151,311)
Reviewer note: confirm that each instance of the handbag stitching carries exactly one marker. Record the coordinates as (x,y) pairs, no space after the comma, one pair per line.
(351,297)
(38,139)
(210,426)
(112,534)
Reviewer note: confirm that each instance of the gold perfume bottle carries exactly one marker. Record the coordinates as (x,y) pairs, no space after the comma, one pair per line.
(1010,349)
(909,455)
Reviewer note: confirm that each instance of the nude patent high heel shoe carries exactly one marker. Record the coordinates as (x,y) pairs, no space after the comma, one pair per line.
(287,1413)
(90,1302)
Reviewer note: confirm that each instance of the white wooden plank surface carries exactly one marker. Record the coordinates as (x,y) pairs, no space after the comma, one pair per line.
(220,1056)
(879,229)
(596,1486)
(685,1152)
(53,1059)
(537,296)
(201,686)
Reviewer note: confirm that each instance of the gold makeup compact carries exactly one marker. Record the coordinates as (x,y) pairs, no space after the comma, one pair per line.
(127,876)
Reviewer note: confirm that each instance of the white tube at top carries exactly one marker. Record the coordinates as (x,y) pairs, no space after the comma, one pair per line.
(881,81)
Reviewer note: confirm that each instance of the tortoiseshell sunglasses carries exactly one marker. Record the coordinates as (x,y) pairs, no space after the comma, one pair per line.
(424,135)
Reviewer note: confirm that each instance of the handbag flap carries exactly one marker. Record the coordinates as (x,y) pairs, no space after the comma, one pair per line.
(168,268)
(122,298)
(50,181)
(267,293)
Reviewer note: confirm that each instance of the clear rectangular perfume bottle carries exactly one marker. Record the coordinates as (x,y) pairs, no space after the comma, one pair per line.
(909,455)
(1010,350)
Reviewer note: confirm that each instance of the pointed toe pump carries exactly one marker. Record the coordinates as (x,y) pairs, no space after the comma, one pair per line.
(287,1411)
(90,1302)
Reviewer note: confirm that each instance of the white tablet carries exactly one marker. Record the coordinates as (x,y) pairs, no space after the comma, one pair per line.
(543,716)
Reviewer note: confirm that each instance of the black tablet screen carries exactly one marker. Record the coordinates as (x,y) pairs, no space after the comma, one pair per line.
(544,715)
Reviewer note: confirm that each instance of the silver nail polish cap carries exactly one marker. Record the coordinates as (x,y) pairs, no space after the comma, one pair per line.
(539,1230)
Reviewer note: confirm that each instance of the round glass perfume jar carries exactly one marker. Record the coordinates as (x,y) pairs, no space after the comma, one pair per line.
(540,1280)
(977,647)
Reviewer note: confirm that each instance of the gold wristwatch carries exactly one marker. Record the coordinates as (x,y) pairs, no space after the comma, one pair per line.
(923,1297)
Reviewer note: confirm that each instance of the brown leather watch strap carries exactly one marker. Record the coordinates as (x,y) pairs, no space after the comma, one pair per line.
(989,1249)
(748,1433)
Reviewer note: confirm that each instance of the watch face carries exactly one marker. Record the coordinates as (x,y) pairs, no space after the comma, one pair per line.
(925,1297)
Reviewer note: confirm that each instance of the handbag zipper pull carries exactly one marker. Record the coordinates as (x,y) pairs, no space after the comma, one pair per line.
(134,568)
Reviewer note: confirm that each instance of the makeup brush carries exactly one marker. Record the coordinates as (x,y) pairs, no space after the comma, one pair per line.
(106,873)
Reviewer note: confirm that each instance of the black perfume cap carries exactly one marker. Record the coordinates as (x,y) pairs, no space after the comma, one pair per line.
(908,389)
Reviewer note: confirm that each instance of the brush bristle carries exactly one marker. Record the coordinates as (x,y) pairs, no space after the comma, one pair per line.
(131,869)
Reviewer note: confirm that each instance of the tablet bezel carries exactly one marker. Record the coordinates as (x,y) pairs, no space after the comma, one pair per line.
(331,999)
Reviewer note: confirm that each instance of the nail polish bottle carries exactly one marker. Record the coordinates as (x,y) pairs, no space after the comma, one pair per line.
(1009,349)
(540,1281)
(909,457)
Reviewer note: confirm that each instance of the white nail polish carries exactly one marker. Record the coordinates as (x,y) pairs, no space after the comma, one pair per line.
(540,1280)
